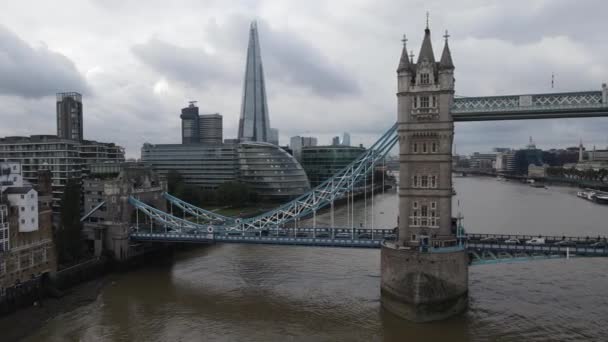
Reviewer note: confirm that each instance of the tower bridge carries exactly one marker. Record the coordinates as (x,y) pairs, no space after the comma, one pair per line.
(425,259)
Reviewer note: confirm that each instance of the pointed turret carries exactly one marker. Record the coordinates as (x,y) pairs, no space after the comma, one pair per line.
(404,62)
(426,51)
(446,55)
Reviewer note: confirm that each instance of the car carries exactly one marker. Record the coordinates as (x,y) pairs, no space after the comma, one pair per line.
(343,236)
(301,234)
(565,243)
(489,239)
(282,233)
(512,241)
(234,232)
(364,236)
(536,241)
(390,237)
(322,235)
(599,244)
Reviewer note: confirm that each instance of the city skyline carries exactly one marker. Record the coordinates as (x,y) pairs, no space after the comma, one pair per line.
(134,79)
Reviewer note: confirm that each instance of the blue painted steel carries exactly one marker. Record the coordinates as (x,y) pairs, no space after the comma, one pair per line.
(322,195)
(530,106)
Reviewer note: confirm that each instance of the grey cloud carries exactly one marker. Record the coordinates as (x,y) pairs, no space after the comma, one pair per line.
(35,72)
(294,60)
(192,66)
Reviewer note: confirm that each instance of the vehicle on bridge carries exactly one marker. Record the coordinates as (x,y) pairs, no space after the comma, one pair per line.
(536,241)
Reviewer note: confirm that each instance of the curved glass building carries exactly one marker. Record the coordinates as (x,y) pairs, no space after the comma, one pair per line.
(270,171)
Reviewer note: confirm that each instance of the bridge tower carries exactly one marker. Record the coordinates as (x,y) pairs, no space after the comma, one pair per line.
(425,271)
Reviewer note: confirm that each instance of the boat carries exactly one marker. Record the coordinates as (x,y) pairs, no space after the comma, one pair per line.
(601,197)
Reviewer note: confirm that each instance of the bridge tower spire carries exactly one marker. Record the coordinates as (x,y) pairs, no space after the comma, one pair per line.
(425,272)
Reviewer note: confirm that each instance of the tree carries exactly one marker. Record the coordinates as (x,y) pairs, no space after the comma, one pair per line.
(68,238)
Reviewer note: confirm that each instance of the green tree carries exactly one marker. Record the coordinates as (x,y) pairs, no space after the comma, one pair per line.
(68,238)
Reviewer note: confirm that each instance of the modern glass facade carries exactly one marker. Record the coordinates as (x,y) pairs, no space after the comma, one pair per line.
(270,171)
(322,162)
(206,166)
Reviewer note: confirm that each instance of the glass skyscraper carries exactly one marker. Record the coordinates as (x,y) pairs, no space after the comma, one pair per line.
(254,124)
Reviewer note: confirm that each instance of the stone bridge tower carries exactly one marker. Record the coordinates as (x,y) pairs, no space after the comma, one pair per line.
(425,272)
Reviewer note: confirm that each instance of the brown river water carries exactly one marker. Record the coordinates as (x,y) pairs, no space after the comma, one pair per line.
(276,293)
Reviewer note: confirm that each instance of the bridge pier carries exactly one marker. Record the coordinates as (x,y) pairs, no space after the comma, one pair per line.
(423,287)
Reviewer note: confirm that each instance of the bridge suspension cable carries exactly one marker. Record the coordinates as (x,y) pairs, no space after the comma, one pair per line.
(338,186)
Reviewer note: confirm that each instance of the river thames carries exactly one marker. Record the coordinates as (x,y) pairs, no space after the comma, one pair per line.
(277,293)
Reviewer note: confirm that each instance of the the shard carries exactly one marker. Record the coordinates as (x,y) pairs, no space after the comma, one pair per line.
(254,124)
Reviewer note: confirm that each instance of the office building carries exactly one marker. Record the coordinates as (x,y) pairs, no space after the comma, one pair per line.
(297,143)
(274,136)
(335,141)
(205,166)
(210,129)
(190,124)
(322,162)
(254,123)
(64,158)
(200,129)
(346,139)
(270,171)
(69,116)
(482,161)
(505,161)
(27,251)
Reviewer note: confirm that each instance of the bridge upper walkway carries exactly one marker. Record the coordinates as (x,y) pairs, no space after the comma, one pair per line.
(531,106)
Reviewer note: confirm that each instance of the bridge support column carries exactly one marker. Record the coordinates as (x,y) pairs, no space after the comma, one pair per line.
(423,287)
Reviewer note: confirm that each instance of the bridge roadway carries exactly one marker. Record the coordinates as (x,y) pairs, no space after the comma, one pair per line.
(482,248)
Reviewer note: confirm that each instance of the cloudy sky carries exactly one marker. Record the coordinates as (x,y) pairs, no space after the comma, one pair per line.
(330,65)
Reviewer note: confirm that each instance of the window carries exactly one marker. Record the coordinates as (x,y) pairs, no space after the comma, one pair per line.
(424,148)
(22,208)
(434,147)
(433,205)
(415,148)
(415,205)
(434,101)
(415,182)
(32,208)
(424,210)
(415,102)
(424,102)
(424,78)
(424,182)
(22,221)
(433,181)
(22,196)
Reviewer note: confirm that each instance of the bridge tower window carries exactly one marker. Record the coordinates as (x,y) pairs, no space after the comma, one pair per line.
(424,102)
(415,183)
(415,148)
(433,182)
(423,147)
(424,78)
(434,101)
(434,147)
(424,182)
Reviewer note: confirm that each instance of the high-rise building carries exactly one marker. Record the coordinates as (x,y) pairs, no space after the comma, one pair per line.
(190,124)
(297,143)
(210,129)
(274,136)
(64,158)
(254,123)
(346,139)
(335,141)
(322,162)
(69,116)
